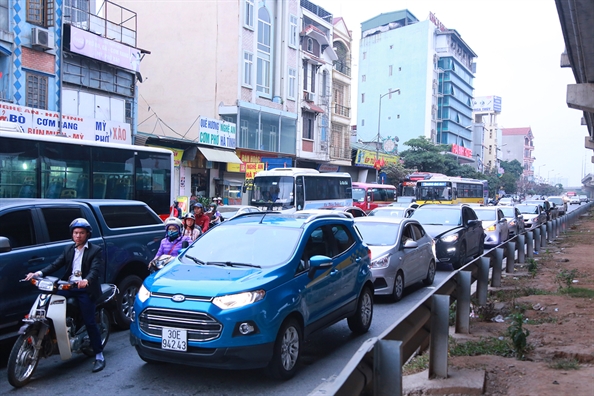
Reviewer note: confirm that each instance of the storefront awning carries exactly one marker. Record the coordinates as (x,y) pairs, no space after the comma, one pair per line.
(219,155)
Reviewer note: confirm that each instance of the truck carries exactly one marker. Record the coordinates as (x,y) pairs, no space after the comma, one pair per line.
(34,232)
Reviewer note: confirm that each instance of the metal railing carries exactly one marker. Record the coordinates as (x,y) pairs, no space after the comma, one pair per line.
(376,367)
(342,110)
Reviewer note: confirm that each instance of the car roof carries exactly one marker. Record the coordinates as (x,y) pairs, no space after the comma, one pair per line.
(19,202)
(440,206)
(391,220)
(296,220)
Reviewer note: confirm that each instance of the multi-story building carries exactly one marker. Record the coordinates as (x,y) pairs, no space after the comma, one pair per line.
(518,144)
(429,69)
(79,65)
(486,109)
(340,146)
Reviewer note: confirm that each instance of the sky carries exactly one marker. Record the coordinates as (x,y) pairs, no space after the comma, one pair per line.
(518,45)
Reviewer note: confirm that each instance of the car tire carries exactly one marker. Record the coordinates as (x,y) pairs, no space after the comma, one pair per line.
(461,257)
(398,290)
(430,274)
(287,350)
(128,288)
(360,321)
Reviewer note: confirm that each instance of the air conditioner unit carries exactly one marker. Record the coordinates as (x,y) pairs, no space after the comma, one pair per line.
(311,97)
(42,38)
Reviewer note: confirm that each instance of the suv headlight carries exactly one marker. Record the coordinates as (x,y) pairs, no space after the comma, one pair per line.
(491,228)
(450,238)
(239,300)
(381,262)
(143,294)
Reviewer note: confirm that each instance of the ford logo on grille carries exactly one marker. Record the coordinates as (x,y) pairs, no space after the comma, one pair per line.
(178,298)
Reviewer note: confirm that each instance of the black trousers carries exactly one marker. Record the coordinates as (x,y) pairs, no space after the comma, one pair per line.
(87,309)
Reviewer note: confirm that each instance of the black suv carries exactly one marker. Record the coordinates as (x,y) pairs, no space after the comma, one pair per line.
(457,231)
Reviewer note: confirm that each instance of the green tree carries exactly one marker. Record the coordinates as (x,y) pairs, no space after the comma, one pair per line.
(424,156)
(513,167)
(395,173)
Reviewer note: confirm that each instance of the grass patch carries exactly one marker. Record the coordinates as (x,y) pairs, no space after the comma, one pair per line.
(484,346)
(578,292)
(534,291)
(564,364)
(548,319)
(416,365)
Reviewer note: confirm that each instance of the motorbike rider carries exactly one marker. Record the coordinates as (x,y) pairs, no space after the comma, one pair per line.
(202,220)
(84,264)
(214,215)
(172,243)
(190,229)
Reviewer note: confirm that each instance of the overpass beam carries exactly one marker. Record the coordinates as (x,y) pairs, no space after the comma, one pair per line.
(581,97)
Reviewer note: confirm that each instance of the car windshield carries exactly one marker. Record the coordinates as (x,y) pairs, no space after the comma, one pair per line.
(228,211)
(378,234)
(556,201)
(509,211)
(266,246)
(441,216)
(387,212)
(486,215)
(528,209)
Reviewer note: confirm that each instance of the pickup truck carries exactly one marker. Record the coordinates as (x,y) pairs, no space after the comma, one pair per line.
(34,232)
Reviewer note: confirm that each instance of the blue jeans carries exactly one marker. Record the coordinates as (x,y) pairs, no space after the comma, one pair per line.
(87,309)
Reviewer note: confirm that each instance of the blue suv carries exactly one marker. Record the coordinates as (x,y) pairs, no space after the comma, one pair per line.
(248,292)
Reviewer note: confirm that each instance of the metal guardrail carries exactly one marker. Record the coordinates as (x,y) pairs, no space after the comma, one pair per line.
(376,367)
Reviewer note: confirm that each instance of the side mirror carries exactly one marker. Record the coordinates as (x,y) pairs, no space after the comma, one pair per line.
(5,245)
(318,262)
(410,244)
(185,244)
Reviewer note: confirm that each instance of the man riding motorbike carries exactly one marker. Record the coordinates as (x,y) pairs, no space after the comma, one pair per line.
(84,265)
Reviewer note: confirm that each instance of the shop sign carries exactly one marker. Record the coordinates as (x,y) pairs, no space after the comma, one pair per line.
(462,151)
(106,50)
(328,168)
(48,123)
(217,133)
(245,157)
(368,158)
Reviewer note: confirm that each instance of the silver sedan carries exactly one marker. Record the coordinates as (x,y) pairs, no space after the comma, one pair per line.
(402,253)
(494,224)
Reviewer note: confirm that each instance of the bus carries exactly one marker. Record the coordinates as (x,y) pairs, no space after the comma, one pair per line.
(292,189)
(408,186)
(451,190)
(34,166)
(368,196)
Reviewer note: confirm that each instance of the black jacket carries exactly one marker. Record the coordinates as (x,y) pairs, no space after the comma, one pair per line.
(91,267)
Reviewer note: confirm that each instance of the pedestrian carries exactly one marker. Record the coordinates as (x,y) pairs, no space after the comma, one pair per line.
(173,241)
(202,220)
(175,210)
(83,263)
(219,201)
(190,229)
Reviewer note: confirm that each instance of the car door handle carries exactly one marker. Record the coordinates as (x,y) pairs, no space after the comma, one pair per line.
(333,272)
(36,260)
(358,259)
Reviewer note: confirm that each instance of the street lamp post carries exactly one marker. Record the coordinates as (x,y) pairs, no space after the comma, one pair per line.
(379,120)
(549,176)
(539,175)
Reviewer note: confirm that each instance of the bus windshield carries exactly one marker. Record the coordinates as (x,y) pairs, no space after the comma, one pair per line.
(434,191)
(273,191)
(358,194)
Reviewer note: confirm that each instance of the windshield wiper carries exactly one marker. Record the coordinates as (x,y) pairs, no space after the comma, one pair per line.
(194,259)
(232,264)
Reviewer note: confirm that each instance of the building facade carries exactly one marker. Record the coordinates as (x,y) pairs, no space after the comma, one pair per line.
(518,144)
(487,142)
(78,65)
(420,74)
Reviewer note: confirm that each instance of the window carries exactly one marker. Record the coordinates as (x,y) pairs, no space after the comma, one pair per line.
(362,98)
(248,61)
(64,171)
(310,45)
(490,149)
(264,52)
(58,222)
(363,122)
(36,91)
(363,78)
(293,31)
(17,226)
(249,14)
(364,55)
(4,14)
(308,125)
(343,238)
(40,12)
(292,83)
(390,70)
(121,216)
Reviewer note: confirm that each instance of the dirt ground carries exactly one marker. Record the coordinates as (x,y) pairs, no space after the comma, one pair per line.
(561,326)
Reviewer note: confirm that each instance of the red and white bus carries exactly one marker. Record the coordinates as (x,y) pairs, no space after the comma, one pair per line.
(369,196)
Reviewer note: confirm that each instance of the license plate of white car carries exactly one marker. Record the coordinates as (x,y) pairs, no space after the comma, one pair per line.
(174,339)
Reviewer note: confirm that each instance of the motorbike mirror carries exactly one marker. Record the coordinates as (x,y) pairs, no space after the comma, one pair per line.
(185,244)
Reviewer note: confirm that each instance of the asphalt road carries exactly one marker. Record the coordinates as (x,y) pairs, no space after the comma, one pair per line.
(325,355)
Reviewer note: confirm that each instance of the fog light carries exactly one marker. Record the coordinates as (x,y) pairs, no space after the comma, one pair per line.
(246,328)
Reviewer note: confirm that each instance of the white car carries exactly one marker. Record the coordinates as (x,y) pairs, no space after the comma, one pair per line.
(583,198)
(494,223)
(574,200)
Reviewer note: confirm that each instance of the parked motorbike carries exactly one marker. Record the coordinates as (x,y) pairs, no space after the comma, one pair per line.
(55,325)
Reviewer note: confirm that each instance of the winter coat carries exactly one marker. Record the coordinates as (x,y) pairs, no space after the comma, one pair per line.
(171,248)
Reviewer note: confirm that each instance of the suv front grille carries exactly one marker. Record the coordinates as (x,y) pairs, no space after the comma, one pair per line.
(200,326)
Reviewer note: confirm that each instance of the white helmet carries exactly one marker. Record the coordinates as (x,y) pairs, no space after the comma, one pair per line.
(175,222)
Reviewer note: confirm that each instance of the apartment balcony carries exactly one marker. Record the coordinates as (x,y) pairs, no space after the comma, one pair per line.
(340,153)
(342,110)
(111,21)
(342,67)
(317,10)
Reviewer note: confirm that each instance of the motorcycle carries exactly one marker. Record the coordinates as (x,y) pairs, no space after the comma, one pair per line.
(55,325)
(158,263)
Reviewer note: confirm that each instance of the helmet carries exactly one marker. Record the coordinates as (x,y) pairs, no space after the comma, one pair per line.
(189,216)
(80,223)
(175,222)
(213,206)
(199,205)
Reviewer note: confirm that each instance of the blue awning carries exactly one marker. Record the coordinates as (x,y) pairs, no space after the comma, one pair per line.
(5,51)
